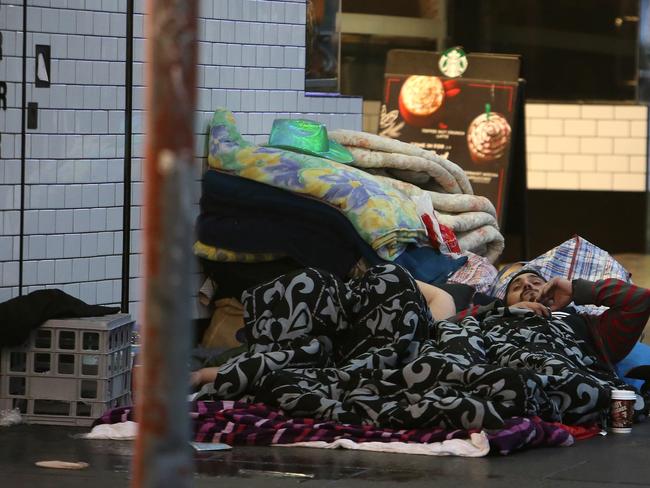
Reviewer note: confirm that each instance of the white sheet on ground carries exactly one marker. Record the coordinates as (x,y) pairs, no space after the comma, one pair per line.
(476,446)
(121,431)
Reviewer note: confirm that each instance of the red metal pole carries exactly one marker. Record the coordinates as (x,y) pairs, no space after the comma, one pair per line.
(163,456)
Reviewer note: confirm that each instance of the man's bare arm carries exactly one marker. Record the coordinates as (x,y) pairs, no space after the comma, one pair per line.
(440,302)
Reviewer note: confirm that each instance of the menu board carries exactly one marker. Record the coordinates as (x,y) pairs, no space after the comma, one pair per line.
(463,107)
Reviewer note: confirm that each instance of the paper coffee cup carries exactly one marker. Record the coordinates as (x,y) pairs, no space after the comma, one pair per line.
(622,411)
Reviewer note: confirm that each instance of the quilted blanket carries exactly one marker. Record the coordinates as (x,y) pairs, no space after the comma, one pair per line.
(381,214)
(368,352)
(452,199)
(371,150)
(471,217)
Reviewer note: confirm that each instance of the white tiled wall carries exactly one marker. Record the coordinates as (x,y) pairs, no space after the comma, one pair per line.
(587,147)
(73,160)
(251,60)
(11,20)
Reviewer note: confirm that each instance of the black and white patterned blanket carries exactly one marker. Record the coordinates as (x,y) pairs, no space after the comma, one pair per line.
(369,352)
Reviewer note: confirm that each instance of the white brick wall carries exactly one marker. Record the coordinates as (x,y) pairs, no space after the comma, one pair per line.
(11,19)
(73,165)
(587,147)
(251,60)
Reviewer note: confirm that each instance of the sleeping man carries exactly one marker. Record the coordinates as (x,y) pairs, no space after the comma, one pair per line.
(378,350)
(612,335)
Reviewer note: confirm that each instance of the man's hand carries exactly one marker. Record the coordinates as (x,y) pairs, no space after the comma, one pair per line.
(202,376)
(538,308)
(557,293)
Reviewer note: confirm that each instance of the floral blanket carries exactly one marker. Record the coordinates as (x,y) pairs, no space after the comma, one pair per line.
(383,216)
(367,352)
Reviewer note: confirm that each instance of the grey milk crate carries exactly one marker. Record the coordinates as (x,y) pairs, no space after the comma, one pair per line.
(70,371)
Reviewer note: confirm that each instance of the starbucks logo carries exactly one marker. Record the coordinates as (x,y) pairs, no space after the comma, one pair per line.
(453,62)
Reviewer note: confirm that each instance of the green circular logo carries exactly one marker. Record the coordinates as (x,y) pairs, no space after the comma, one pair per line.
(453,62)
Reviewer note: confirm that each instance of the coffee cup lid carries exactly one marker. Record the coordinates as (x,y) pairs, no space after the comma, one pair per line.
(623,395)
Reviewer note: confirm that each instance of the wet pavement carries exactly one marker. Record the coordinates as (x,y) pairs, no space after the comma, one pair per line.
(614,460)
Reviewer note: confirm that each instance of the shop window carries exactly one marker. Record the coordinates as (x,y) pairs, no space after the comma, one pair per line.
(571,50)
(368,30)
(322,46)
(591,50)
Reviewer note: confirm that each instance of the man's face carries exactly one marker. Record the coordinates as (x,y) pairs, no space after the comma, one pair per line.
(524,288)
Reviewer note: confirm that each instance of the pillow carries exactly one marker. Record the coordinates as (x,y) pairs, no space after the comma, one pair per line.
(478,273)
(573,259)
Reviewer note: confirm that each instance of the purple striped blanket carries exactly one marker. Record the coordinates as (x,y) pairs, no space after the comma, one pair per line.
(242,423)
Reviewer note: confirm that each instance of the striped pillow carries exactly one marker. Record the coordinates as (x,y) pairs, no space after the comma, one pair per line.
(573,259)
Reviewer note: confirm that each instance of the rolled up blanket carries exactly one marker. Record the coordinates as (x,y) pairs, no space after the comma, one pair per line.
(467,221)
(486,241)
(461,203)
(471,217)
(364,158)
(444,202)
(374,142)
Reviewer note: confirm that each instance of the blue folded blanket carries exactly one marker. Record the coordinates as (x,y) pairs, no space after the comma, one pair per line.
(246,216)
